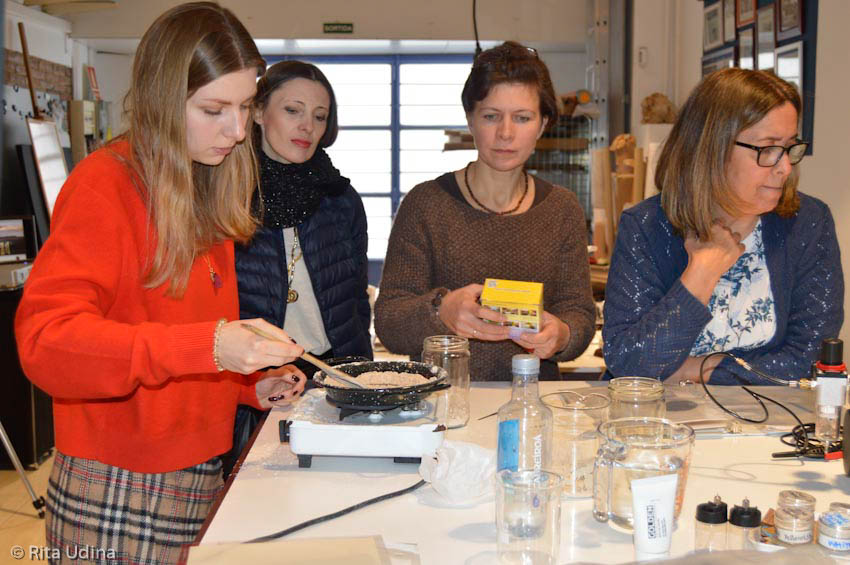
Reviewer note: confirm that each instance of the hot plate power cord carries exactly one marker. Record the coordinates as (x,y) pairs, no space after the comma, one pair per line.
(337,514)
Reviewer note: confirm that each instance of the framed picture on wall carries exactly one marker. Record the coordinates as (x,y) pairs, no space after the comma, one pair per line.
(790,19)
(789,66)
(728,20)
(719,60)
(765,38)
(712,27)
(49,161)
(746,49)
(745,12)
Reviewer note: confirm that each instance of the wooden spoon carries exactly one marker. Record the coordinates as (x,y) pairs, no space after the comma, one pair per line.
(332,372)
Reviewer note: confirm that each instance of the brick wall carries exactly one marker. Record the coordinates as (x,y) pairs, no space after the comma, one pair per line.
(46,76)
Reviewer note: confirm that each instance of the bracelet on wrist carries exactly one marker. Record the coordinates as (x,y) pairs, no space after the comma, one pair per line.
(216,342)
(437,301)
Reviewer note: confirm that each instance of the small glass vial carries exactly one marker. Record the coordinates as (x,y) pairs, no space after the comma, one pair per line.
(742,521)
(710,530)
(794,525)
(636,397)
(834,530)
(451,352)
(796,499)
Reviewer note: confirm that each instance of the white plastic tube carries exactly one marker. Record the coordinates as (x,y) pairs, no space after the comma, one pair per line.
(653,503)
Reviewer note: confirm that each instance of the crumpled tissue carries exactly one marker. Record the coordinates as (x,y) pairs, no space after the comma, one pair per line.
(459,471)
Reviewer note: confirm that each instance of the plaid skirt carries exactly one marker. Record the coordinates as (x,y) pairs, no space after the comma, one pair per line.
(97,513)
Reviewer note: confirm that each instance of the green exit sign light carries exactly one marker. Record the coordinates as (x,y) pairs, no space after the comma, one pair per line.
(338,28)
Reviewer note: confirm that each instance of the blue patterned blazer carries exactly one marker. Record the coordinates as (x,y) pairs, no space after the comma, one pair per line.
(652,320)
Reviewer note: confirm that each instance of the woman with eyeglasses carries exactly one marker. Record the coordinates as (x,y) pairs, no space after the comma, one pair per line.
(730,257)
(491,219)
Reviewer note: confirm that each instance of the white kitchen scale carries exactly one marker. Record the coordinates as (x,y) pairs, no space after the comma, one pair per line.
(404,433)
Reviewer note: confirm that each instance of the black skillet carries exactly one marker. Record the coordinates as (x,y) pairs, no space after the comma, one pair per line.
(382,398)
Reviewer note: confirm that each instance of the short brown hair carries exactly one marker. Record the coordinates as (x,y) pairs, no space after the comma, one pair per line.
(279,74)
(510,62)
(192,206)
(691,171)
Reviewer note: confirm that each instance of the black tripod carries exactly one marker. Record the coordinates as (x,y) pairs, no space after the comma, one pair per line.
(37,501)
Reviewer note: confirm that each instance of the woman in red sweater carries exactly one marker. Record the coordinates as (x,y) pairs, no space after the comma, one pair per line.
(124,320)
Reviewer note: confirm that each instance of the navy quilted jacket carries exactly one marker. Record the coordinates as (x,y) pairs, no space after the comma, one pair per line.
(334,243)
(652,320)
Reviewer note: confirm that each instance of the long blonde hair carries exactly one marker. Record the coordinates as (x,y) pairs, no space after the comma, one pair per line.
(691,171)
(191,206)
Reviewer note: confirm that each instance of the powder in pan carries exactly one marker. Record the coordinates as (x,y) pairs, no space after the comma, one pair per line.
(387,379)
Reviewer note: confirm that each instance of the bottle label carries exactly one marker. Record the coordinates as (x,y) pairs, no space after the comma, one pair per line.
(508,452)
(794,536)
(836,544)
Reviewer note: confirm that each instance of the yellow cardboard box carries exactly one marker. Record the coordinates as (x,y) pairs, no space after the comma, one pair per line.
(520,302)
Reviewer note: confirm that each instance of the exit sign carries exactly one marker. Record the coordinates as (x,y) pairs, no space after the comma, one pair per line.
(338,28)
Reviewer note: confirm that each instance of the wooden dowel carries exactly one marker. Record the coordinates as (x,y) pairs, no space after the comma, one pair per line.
(26,52)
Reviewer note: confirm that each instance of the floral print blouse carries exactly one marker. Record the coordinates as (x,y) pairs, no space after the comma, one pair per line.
(741,306)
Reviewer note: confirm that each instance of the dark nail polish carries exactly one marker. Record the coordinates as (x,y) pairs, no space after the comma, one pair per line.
(296,378)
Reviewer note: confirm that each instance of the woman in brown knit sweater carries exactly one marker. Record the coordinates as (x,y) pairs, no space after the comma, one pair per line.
(491,219)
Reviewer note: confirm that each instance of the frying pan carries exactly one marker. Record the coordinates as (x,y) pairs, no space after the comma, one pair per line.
(387,397)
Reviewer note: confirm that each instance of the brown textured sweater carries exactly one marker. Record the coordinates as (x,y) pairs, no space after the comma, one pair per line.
(439,241)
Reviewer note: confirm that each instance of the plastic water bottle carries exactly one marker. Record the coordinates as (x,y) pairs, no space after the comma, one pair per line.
(525,423)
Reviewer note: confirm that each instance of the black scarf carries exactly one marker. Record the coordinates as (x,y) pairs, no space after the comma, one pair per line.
(291,193)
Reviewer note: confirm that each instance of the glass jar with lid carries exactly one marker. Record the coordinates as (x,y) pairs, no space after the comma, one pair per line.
(636,397)
(796,499)
(794,525)
(834,530)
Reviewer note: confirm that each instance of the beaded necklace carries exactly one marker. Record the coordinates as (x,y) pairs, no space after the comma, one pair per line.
(480,205)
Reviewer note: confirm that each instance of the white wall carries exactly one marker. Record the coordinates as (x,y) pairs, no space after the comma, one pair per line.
(826,173)
(113,77)
(652,53)
(527,20)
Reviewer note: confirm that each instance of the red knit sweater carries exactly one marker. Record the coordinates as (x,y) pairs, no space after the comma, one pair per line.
(130,369)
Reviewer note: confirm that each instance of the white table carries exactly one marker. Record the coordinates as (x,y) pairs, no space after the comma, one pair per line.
(271,493)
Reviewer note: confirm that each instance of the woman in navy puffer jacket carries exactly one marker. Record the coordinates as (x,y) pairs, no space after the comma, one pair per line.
(306,268)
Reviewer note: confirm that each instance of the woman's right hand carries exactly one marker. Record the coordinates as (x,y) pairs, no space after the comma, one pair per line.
(241,351)
(709,260)
(464,316)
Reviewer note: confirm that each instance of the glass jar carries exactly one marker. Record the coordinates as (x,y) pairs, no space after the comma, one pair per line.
(451,352)
(796,499)
(636,397)
(575,439)
(834,530)
(794,525)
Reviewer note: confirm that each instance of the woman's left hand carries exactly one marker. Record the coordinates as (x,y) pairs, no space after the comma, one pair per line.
(280,386)
(552,337)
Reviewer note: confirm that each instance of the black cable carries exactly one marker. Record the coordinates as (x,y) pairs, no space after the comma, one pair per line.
(475,29)
(717,402)
(806,449)
(337,514)
(798,438)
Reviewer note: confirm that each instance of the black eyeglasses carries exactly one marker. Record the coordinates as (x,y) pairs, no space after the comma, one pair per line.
(769,155)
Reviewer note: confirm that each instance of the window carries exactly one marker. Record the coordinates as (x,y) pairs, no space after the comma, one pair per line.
(392,113)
